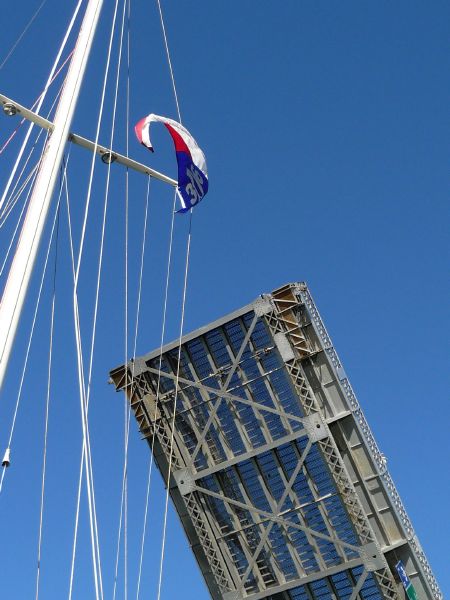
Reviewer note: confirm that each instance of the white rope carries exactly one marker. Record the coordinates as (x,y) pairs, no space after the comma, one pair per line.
(134,357)
(127,409)
(94,150)
(85,453)
(125,467)
(169,60)
(102,239)
(47,406)
(163,334)
(80,477)
(86,450)
(19,221)
(123,514)
(13,197)
(41,100)
(163,544)
(85,389)
(9,207)
(172,432)
(22,121)
(85,460)
(99,271)
(30,338)
(19,39)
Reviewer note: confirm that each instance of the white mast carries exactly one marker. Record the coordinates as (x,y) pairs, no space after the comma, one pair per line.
(28,245)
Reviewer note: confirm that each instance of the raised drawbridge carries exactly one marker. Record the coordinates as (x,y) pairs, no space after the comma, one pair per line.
(274,471)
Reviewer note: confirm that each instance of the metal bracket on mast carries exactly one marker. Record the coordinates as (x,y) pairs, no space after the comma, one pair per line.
(12,108)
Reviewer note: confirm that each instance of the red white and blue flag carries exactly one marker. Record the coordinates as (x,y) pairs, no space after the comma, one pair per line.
(192,171)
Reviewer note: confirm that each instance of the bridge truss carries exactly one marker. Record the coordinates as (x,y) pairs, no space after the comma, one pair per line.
(276,476)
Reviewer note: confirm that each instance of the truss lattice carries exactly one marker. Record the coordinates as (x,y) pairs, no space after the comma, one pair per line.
(276,476)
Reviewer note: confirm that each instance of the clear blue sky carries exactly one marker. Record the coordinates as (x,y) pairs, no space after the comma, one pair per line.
(325,127)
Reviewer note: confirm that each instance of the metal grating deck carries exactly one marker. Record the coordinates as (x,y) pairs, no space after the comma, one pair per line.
(275,474)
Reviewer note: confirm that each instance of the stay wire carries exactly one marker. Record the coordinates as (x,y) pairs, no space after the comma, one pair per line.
(19,39)
(86,454)
(30,337)
(172,432)
(158,385)
(13,197)
(22,121)
(33,176)
(181,323)
(83,388)
(9,207)
(80,476)
(47,405)
(163,544)
(86,458)
(169,59)
(127,409)
(41,101)
(125,468)
(124,496)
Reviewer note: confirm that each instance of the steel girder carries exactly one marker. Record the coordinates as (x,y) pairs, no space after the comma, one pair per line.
(276,476)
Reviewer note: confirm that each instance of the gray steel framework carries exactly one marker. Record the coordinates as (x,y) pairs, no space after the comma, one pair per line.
(276,476)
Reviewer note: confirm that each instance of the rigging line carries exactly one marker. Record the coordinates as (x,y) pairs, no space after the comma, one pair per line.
(13,197)
(19,39)
(123,499)
(77,515)
(86,388)
(94,326)
(169,60)
(80,477)
(127,408)
(19,221)
(40,214)
(127,412)
(32,176)
(22,121)
(94,150)
(8,200)
(86,459)
(136,334)
(158,385)
(85,454)
(86,445)
(16,195)
(30,339)
(172,433)
(38,107)
(47,406)
(84,394)
(125,468)
(11,200)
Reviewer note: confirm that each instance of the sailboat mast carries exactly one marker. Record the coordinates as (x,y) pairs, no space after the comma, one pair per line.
(22,265)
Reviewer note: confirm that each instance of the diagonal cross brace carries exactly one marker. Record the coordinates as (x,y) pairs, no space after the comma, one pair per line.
(278,507)
(277,519)
(224,388)
(359,584)
(226,395)
(278,591)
